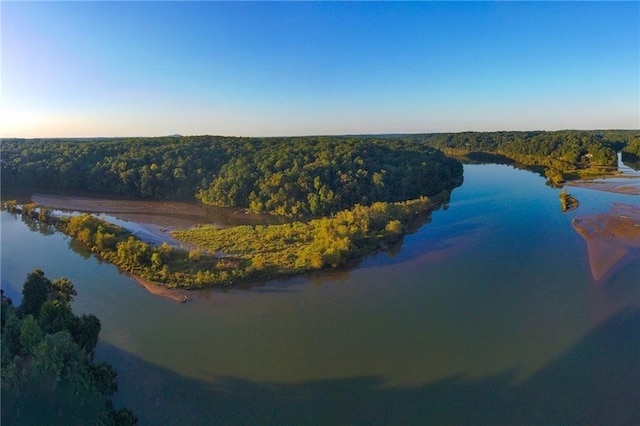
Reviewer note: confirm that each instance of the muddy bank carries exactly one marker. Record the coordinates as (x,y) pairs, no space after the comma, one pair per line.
(162,214)
(158,290)
(610,236)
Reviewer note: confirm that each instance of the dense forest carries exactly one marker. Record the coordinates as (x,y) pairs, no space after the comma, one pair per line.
(581,152)
(631,152)
(296,176)
(48,373)
(285,176)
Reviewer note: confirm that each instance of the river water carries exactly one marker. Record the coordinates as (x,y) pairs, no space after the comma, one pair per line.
(487,315)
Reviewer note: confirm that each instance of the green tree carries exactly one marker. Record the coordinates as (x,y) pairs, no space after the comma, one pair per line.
(63,291)
(156,261)
(15,373)
(132,252)
(394,227)
(58,354)
(104,378)
(86,333)
(56,317)
(6,308)
(120,417)
(35,292)
(555,177)
(30,334)
(11,339)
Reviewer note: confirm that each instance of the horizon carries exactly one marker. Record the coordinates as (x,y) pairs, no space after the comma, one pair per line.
(320,135)
(77,70)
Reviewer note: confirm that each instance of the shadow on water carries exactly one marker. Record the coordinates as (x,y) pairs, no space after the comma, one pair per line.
(596,382)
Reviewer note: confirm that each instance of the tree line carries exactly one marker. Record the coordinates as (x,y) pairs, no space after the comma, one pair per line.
(631,152)
(293,176)
(286,176)
(564,150)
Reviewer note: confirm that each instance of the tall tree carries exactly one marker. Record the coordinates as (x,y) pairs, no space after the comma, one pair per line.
(63,291)
(30,334)
(86,333)
(34,293)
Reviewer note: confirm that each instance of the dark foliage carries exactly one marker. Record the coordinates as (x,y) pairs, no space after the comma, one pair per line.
(285,176)
(46,362)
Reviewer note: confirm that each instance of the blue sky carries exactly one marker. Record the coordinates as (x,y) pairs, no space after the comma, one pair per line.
(83,69)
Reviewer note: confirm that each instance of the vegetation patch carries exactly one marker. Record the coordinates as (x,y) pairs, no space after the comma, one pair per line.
(567,201)
(241,254)
(48,373)
(264,252)
(567,154)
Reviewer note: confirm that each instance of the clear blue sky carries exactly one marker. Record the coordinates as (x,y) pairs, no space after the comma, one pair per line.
(260,69)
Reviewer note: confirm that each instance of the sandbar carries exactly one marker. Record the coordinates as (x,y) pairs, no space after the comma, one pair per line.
(159,290)
(620,185)
(609,236)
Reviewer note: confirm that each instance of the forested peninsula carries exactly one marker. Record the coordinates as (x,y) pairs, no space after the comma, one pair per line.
(346,196)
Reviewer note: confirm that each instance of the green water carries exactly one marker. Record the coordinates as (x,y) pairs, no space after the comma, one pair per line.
(489,314)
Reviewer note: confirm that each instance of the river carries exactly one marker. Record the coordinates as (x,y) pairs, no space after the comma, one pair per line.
(489,314)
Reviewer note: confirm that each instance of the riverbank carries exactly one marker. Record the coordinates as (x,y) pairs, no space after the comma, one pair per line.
(260,252)
(615,183)
(624,181)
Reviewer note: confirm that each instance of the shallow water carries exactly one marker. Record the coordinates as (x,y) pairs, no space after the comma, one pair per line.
(481,316)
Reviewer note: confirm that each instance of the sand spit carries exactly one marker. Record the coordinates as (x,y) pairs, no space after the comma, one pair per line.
(158,290)
(620,185)
(609,236)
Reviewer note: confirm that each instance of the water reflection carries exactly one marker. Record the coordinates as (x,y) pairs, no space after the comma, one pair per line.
(36,225)
(81,250)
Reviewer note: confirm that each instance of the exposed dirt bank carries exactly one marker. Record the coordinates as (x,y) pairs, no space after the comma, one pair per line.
(161,213)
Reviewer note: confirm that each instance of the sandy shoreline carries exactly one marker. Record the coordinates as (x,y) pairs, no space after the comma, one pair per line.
(619,184)
(159,290)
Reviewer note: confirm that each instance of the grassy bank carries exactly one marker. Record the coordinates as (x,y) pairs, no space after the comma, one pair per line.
(242,254)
